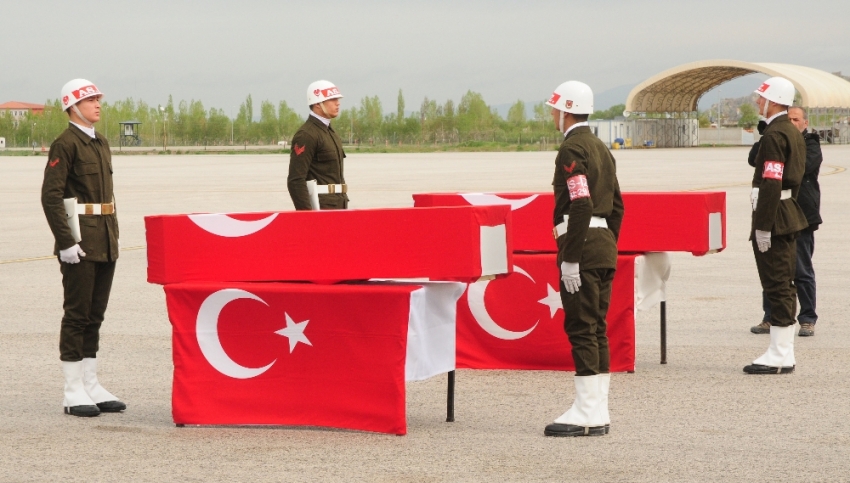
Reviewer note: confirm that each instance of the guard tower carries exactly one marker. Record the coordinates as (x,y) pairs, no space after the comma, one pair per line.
(129,133)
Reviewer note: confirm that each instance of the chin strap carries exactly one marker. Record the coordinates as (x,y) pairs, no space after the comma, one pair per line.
(561,121)
(766,105)
(322,105)
(82,118)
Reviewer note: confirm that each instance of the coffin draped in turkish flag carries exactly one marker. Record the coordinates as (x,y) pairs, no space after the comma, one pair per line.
(517,322)
(653,222)
(443,243)
(305,354)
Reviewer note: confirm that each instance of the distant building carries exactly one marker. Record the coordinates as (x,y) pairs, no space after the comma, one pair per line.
(20,109)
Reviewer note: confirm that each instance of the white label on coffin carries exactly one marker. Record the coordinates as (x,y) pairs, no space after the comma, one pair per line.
(494,250)
(223,225)
(715,231)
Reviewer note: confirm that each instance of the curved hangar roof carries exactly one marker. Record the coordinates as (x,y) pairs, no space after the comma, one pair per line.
(679,89)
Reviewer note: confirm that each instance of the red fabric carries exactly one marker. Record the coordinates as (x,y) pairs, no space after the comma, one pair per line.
(436,243)
(513,304)
(773,170)
(577,185)
(351,375)
(653,222)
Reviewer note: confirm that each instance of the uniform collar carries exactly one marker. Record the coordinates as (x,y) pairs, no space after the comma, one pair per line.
(89,131)
(578,124)
(773,117)
(326,122)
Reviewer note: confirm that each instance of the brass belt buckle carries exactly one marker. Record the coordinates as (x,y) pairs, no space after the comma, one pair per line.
(331,188)
(107,209)
(89,209)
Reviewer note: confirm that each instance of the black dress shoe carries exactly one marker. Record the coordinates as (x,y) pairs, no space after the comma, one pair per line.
(82,411)
(111,406)
(760,369)
(558,429)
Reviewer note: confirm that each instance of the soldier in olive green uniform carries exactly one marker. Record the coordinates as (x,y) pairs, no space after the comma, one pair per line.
(777,220)
(588,214)
(317,155)
(80,166)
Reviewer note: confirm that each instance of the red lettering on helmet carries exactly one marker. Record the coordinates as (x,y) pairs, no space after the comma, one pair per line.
(331,91)
(554,98)
(578,187)
(764,87)
(773,170)
(84,91)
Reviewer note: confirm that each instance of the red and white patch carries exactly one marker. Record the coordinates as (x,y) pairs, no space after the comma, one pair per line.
(568,103)
(65,100)
(764,87)
(316,92)
(85,91)
(773,170)
(578,187)
(554,99)
(331,91)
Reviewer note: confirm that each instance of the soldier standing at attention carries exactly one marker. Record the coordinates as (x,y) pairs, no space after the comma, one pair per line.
(316,159)
(777,220)
(588,215)
(79,174)
(809,200)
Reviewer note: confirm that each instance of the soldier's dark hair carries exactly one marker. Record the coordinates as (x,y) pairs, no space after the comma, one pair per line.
(581,117)
(803,110)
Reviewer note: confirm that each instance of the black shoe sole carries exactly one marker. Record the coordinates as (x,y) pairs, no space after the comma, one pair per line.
(759,369)
(569,430)
(111,406)
(83,411)
(759,330)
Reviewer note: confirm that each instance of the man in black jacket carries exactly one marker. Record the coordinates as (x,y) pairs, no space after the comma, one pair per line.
(809,200)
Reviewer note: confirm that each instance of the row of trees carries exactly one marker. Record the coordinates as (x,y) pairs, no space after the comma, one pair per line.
(192,124)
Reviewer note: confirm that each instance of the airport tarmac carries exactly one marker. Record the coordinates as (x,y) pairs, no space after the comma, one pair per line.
(697,418)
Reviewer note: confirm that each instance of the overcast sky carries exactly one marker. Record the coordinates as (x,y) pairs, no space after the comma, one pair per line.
(221,51)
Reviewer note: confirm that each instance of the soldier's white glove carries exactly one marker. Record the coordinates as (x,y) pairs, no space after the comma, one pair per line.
(763,240)
(570,276)
(754,198)
(71,255)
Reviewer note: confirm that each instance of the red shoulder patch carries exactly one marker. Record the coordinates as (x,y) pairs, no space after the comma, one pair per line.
(54,162)
(298,149)
(570,168)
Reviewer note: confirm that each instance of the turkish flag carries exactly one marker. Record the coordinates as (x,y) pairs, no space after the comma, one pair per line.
(441,243)
(517,322)
(304,354)
(653,222)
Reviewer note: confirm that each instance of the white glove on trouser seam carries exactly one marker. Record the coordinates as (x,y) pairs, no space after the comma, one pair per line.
(762,240)
(71,255)
(571,276)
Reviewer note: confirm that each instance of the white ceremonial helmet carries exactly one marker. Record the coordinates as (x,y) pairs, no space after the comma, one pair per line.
(321,91)
(572,96)
(778,90)
(76,90)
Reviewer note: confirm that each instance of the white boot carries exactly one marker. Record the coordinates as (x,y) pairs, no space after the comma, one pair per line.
(103,398)
(77,402)
(582,419)
(604,385)
(779,358)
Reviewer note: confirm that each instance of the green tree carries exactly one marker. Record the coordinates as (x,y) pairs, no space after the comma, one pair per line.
(288,120)
(268,128)
(748,118)
(516,114)
(613,112)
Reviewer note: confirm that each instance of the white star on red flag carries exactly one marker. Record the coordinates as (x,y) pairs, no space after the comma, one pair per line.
(294,331)
(553,300)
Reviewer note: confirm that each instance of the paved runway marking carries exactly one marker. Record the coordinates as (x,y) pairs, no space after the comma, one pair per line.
(53,257)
